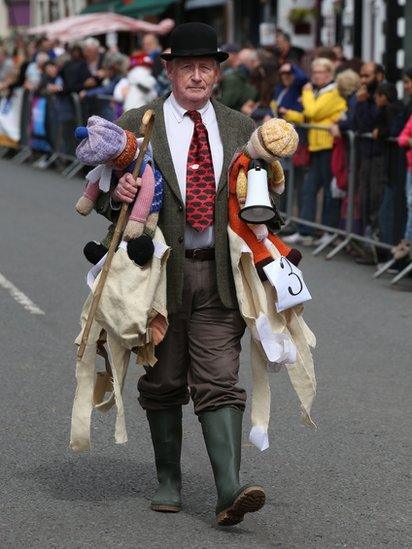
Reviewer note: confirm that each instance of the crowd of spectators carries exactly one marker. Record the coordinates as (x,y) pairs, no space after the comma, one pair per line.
(320,88)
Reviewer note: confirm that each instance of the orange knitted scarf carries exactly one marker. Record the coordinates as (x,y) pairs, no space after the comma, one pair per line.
(260,252)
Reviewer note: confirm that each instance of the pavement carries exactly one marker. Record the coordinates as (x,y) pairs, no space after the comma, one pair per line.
(345,485)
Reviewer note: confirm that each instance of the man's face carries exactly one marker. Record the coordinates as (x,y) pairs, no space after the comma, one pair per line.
(45,45)
(282,43)
(91,53)
(381,100)
(150,43)
(51,70)
(407,84)
(368,75)
(193,79)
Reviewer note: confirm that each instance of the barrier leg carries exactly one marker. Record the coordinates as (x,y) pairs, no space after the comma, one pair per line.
(22,156)
(3,151)
(41,162)
(73,163)
(74,170)
(325,244)
(339,247)
(402,274)
(51,160)
(384,268)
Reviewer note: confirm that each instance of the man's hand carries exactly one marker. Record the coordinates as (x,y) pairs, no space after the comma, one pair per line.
(90,82)
(375,133)
(248,107)
(362,94)
(334,130)
(282,110)
(126,189)
(307,87)
(53,88)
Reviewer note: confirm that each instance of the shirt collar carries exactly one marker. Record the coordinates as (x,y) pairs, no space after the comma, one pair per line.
(179,112)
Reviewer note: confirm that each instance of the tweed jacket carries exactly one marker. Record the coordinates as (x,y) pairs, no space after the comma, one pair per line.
(235,130)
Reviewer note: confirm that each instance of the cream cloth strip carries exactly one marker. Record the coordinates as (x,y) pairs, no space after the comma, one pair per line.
(256,298)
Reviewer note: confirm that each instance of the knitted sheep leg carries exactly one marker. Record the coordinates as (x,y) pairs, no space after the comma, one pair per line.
(86,202)
(142,205)
(276,177)
(84,205)
(133,229)
(151,224)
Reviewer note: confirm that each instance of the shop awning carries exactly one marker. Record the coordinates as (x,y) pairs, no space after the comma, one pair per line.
(78,27)
(196,4)
(133,8)
(101,7)
(137,8)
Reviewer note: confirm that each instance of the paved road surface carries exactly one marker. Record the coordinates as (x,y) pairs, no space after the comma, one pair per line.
(345,485)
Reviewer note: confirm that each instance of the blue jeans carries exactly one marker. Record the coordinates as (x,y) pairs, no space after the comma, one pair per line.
(408,230)
(319,176)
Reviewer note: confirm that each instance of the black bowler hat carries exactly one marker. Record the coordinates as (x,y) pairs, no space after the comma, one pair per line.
(194,40)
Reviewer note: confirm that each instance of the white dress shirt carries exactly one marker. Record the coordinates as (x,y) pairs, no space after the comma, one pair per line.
(179,131)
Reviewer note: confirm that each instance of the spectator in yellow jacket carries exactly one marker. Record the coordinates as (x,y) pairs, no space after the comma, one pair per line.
(322,106)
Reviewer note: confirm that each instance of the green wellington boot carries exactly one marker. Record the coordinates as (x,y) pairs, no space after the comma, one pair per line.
(166,431)
(222,431)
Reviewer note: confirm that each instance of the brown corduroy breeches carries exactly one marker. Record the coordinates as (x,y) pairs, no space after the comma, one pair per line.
(200,353)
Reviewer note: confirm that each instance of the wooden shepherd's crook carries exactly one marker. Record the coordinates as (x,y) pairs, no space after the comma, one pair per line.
(147,125)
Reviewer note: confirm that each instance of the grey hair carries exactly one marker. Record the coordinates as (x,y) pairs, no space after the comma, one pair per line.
(91,42)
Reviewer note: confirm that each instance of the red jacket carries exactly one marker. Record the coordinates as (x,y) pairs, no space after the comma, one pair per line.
(403,141)
(339,163)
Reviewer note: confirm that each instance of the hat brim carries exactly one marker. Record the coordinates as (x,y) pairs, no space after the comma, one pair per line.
(218,55)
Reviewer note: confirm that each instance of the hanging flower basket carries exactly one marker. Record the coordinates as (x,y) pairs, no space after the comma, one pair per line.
(301,19)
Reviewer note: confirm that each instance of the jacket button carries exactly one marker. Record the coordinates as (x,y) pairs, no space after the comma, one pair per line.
(180,239)
(180,208)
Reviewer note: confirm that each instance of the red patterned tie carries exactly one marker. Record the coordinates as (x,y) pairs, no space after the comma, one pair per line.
(200,178)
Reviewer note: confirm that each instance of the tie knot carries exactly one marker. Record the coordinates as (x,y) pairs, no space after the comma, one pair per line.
(195,116)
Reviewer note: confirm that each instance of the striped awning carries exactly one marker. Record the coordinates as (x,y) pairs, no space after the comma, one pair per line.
(131,8)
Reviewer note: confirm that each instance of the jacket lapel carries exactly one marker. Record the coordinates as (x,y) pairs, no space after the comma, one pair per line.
(228,138)
(163,158)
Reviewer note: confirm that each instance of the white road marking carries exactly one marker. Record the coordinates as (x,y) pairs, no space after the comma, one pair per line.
(20,297)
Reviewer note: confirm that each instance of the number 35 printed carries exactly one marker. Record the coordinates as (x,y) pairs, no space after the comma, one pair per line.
(288,282)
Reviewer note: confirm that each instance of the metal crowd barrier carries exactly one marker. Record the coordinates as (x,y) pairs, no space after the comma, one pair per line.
(25,152)
(55,137)
(45,161)
(348,234)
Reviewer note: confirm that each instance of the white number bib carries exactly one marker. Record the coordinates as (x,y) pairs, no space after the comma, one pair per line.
(288,282)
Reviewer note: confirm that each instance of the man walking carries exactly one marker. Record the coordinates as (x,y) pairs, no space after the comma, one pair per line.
(194,139)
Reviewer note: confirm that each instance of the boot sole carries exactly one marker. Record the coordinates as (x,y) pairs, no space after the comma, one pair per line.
(250,500)
(163,508)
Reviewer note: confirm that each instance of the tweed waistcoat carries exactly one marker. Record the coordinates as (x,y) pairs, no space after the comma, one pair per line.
(235,130)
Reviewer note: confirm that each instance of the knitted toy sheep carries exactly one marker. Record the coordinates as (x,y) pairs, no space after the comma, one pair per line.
(113,151)
(275,139)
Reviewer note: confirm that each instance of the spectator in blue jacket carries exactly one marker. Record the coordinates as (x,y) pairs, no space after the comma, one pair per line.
(286,98)
(287,104)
